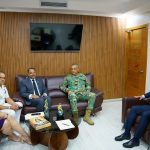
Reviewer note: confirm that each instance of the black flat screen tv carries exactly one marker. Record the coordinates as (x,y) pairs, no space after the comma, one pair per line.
(55,37)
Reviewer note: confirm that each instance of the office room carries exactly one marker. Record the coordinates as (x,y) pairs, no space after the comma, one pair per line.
(101,47)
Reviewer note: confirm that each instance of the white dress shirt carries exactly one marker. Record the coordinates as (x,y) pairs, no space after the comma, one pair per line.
(30,96)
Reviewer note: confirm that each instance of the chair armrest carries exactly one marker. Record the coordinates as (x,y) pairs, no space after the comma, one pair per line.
(99,97)
(18,98)
(96,91)
(128,102)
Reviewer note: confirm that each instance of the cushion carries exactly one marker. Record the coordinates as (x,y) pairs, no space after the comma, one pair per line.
(19,78)
(54,82)
(56,93)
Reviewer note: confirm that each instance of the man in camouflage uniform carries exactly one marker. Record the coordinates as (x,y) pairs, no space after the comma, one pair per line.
(78,88)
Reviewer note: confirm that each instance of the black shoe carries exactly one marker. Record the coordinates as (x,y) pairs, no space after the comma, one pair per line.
(122,137)
(131,143)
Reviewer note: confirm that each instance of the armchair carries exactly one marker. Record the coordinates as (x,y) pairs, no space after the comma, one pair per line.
(127,103)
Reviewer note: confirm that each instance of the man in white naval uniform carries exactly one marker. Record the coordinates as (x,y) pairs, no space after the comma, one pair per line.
(7,105)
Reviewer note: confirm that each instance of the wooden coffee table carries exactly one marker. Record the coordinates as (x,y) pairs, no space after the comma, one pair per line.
(53,137)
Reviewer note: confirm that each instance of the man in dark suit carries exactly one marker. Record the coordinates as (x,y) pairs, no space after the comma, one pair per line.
(34,91)
(144,110)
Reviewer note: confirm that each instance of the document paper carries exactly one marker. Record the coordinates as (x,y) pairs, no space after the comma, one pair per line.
(65,124)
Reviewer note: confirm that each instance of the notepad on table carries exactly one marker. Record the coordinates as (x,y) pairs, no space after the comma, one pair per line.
(33,115)
(65,124)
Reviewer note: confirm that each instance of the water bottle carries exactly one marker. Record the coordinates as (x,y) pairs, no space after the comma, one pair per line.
(46,109)
(60,113)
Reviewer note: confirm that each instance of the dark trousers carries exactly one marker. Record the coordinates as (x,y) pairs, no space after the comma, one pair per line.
(144,111)
(39,103)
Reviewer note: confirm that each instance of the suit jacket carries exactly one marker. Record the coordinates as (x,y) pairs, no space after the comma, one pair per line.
(26,88)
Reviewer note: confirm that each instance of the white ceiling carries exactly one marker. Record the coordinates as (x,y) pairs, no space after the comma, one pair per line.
(112,8)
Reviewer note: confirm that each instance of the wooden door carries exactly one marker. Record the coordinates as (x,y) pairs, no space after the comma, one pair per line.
(136,48)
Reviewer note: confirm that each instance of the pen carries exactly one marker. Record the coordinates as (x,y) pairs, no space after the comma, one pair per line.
(65,124)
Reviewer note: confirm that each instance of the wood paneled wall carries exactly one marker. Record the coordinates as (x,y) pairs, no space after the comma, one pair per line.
(102,50)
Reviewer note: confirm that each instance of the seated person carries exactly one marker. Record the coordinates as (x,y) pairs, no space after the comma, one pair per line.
(34,91)
(7,105)
(144,111)
(8,125)
(78,88)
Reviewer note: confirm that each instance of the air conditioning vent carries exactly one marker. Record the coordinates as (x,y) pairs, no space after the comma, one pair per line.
(54,4)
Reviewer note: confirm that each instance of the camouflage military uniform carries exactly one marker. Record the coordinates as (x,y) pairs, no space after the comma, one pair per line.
(81,88)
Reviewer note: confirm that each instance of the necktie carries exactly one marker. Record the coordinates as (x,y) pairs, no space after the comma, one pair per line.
(35,87)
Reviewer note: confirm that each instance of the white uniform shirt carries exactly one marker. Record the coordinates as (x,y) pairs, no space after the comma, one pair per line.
(3,94)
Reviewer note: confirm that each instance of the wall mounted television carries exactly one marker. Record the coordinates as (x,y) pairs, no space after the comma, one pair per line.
(55,37)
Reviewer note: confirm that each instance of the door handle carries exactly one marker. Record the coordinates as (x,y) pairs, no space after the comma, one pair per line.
(141,71)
